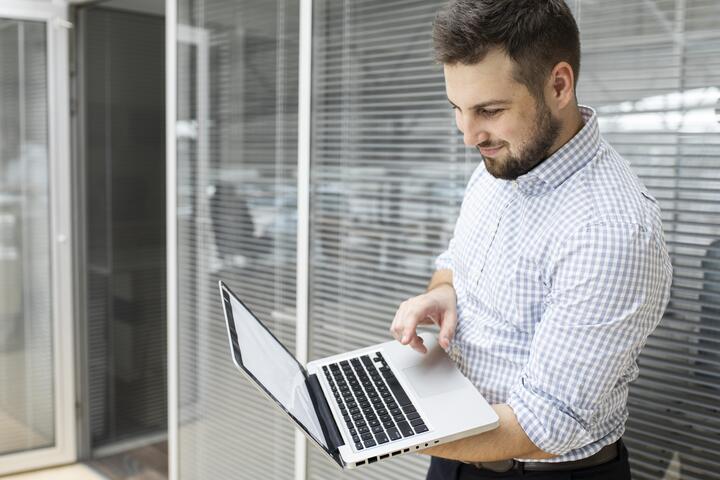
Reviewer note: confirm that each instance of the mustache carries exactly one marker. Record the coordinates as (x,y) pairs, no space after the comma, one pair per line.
(488,145)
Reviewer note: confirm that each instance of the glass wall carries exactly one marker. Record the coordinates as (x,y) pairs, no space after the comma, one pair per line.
(652,70)
(237,178)
(388,169)
(27,396)
(387,172)
(122,142)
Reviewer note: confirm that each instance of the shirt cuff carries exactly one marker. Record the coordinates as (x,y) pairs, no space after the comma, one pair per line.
(552,426)
(443,261)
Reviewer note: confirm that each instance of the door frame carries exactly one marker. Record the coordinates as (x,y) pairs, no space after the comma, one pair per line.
(56,18)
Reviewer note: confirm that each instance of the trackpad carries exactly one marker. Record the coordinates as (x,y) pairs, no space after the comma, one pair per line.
(433,378)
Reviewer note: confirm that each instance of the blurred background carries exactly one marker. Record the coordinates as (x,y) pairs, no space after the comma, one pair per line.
(85,362)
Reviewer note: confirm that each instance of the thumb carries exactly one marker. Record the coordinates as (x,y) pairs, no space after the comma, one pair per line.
(447,328)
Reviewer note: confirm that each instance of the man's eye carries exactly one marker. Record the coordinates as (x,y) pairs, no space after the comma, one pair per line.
(490,113)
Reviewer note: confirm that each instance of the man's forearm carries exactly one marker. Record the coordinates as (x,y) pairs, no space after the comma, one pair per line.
(505,442)
(440,277)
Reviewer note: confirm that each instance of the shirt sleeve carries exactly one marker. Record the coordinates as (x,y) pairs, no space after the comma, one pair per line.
(609,285)
(444,260)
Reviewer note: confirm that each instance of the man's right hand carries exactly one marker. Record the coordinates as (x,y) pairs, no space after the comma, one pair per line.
(438,306)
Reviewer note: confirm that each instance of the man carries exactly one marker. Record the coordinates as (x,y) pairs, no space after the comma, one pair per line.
(557,271)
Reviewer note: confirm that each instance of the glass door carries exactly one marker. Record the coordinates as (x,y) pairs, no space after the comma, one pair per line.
(36,370)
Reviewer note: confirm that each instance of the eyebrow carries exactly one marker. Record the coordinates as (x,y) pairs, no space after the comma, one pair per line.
(483,104)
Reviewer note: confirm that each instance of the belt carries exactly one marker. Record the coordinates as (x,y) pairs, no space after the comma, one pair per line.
(607,453)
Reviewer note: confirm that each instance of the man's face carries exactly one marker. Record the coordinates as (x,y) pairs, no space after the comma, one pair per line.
(512,131)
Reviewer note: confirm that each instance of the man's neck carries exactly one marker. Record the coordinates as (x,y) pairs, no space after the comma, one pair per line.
(571,125)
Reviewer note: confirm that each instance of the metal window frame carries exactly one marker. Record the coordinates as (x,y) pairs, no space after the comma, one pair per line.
(171,19)
(302,297)
(56,18)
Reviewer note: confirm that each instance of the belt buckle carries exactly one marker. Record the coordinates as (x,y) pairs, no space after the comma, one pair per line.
(501,466)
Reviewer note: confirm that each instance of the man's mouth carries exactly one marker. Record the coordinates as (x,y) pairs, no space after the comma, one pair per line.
(489,151)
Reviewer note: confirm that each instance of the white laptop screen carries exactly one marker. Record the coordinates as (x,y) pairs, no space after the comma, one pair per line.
(269,362)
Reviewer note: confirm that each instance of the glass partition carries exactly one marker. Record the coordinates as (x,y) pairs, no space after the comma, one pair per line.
(27,396)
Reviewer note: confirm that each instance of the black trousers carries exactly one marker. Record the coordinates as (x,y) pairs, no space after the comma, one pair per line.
(617,469)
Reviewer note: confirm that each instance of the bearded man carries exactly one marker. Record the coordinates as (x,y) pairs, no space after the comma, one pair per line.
(557,270)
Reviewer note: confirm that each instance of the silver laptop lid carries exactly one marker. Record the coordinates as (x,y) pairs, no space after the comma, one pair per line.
(270,365)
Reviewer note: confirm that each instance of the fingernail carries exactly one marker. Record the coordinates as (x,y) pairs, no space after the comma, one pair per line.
(405,338)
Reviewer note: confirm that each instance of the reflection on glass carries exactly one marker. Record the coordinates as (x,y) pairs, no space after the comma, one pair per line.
(236,167)
(26,389)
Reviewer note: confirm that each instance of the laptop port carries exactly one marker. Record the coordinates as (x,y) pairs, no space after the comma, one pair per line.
(372,460)
(361,462)
(406,450)
(384,456)
(396,453)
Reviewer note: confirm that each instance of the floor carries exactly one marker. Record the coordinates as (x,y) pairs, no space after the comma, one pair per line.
(145,463)
(68,472)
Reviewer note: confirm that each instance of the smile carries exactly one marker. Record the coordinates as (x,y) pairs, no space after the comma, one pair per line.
(489,152)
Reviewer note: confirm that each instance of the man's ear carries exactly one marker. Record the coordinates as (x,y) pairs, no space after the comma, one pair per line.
(561,85)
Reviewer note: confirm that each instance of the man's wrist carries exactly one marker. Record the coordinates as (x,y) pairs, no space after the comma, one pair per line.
(440,284)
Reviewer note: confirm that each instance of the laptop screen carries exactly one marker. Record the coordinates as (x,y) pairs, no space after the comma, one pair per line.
(271,365)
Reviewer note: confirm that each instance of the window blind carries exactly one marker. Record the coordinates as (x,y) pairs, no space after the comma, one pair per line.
(120,58)
(652,71)
(388,169)
(237,215)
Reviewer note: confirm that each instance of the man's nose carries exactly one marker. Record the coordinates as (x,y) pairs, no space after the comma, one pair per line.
(474,133)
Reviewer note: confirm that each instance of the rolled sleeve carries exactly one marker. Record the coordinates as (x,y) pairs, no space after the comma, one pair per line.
(444,260)
(609,285)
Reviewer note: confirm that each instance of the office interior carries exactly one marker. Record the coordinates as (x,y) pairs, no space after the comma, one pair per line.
(313,164)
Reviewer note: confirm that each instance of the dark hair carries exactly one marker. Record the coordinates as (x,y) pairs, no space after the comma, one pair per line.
(536,35)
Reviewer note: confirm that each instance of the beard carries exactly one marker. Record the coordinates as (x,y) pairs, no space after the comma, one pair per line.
(546,131)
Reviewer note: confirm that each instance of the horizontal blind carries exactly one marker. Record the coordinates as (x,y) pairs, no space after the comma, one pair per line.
(387,175)
(652,70)
(121,58)
(27,394)
(237,158)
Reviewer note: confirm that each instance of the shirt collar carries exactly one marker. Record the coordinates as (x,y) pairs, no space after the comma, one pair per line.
(567,160)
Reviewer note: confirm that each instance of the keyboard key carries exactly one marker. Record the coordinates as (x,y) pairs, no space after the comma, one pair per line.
(359,446)
(377,429)
(413,416)
(381,438)
(393,434)
(405,429)
(421,428)
(370,443)
(409,409)
(366,436)
(400,395)
(416,421)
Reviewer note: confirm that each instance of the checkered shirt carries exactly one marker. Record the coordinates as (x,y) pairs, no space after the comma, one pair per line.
(560,276)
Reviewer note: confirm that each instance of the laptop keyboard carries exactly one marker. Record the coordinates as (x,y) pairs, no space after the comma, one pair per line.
(374,406)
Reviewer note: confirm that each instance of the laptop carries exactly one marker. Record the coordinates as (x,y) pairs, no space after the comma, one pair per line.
(362,406)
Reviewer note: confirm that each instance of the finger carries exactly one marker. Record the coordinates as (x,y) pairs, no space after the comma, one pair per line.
(418,345)
(409,325)
(447,329)
(396,326)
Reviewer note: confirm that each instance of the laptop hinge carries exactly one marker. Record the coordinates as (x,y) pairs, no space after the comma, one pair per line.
(327,422)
